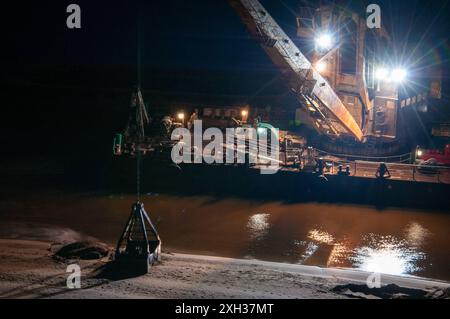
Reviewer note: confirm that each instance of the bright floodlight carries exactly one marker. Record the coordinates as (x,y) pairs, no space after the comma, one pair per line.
(324,41)
(321,66)
(398,75)
(181,116)
(244,113)
(381,74)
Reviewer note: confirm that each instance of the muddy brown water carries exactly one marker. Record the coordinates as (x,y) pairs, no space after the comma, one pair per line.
(390,241)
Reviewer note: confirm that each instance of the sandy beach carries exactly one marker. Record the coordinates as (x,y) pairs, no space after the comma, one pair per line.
(28,269)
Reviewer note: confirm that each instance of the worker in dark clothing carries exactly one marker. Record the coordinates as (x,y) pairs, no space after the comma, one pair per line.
(256,122)
(347,170)
(320,169)
(166,126)
(192,118)
(382,171)
(341,172)
(320,166)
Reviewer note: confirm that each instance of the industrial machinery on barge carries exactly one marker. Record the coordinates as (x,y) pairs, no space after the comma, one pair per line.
(345,87)
(348,94)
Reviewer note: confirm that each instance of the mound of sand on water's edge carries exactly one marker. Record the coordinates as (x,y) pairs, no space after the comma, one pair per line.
(86,250)
(390,291)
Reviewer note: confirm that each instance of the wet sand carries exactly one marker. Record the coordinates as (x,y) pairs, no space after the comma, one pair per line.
(28,270)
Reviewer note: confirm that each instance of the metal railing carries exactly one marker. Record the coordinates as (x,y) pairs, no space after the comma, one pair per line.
(398,171)
(402,158)
(398,167)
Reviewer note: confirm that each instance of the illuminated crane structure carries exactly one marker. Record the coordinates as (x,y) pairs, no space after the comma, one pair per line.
(342,93)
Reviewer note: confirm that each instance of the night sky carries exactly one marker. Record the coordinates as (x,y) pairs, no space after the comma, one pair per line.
(198,34)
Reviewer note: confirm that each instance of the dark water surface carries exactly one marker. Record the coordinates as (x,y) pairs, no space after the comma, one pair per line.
(388,241)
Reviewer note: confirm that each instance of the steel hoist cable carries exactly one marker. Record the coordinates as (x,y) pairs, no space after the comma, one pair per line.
(138,176)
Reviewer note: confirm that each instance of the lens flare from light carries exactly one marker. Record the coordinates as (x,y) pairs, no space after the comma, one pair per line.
(321,66)
(324,41)
(381,74)
(399,75)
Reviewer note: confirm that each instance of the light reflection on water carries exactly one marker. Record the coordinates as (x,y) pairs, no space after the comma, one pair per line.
(310,249)
(338,255)
(387,254)
(416,234)
(258,226)
(377,253)
(321,236)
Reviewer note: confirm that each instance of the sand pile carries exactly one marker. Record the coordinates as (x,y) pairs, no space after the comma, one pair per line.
(391,291)
(86,250)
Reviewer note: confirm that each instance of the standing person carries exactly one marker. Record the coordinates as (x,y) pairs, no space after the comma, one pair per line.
(166,126)
(256,122)
(347,170)
(194,117)
(382,171)
(320,165)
